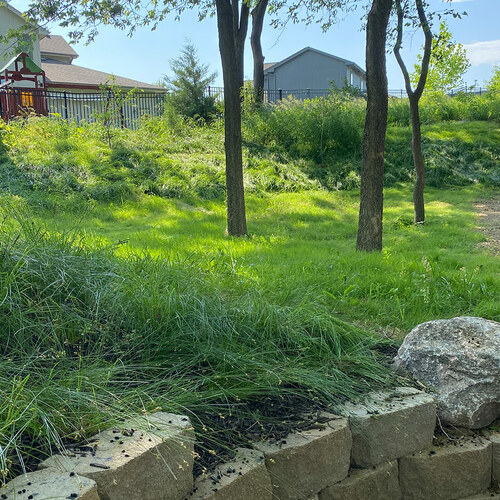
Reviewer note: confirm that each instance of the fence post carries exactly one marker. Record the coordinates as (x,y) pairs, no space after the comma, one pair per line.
(280,94)
(308,93)
(209,91)
(65,106)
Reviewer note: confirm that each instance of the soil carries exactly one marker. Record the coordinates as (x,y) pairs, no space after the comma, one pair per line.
(488,210)
(273,418)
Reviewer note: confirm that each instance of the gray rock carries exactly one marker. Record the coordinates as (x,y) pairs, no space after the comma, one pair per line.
(245,477)
(488,495)
(308,461)
(460,359)
(149,458)
(495,441)
(379,483)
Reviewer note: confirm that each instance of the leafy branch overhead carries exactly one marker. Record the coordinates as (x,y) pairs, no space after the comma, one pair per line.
(448,62)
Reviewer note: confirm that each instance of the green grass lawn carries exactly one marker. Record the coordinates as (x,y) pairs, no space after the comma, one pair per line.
(147,304)
(301,248)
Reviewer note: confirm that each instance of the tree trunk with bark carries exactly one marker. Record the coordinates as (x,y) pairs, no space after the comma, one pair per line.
(232,27)
(414,99)
(418,162)
(369,237)
(258,14)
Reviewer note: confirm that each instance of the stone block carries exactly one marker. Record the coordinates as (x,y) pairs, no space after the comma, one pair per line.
(148,458)
(495,471)
(304,463)
(390,424)
(452,471)
(488,495)
(50,484)
(245,477)
(379,483)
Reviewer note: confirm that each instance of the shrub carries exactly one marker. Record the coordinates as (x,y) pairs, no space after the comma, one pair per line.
(187,87)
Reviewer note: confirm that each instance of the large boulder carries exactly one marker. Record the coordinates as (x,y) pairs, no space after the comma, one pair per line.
(460,359)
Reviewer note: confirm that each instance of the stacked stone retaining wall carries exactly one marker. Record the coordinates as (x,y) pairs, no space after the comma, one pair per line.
(379,449)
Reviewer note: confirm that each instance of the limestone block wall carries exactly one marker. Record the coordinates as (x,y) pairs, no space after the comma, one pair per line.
(380,449)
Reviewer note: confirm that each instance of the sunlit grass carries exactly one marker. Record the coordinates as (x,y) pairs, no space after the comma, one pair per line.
(302,247)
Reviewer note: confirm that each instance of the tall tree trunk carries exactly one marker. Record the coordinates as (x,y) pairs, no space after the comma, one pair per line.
(414,99)
(372,173)
(258,14)
(232,32)
(418,161)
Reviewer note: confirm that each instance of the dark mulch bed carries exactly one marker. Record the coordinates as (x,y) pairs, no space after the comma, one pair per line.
(272,420)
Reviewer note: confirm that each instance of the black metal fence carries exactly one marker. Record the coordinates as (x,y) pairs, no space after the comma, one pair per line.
(275,95)
(123,110)
(473,90)
(127,109)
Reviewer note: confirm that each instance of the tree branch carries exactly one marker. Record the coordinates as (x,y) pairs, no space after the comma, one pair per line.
(397,48)
(427,47)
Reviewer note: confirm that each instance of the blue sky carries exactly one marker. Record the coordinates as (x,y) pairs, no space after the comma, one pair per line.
(146,55)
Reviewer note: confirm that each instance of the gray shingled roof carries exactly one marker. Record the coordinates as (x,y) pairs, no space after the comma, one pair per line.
(268,65)
(56,44)
(70,74)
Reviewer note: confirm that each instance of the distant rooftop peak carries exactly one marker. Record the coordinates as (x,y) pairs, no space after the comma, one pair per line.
(56,45)
(268,65)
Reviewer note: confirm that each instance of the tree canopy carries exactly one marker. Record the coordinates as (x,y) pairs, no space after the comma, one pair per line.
(448,63)
(494,82)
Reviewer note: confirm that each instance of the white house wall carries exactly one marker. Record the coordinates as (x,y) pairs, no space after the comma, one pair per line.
(9,20)
(357,81)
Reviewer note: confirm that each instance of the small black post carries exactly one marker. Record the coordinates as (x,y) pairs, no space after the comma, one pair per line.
(280,94)
(65,106)
(209,91)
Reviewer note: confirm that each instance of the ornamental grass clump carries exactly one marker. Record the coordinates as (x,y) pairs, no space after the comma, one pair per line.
(88,338)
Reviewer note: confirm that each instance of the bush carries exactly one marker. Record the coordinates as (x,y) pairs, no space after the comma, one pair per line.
(187,87)
(436,107)
(312,129)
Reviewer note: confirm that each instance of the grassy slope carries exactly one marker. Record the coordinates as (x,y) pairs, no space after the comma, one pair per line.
(456,153)
(301,248)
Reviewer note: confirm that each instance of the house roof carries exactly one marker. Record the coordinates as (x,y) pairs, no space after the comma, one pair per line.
(56,45)
(353,65)
(66,74)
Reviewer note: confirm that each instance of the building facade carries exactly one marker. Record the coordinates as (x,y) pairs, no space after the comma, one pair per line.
(314,70)
(11,18)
